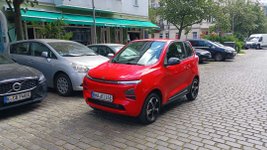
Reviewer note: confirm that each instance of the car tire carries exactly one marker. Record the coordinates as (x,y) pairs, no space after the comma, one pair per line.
(63,85)
(194,88)
(151,109)
(258,46)
(218,57)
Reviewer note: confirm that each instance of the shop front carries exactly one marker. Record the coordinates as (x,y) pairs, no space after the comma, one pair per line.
(109,30)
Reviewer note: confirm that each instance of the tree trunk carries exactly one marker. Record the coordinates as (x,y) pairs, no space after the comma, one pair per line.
(18,22)
(180,32)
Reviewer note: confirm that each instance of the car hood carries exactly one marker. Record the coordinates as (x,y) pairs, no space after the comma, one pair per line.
(12,71)
(118,72)
(89,61)
(229,48)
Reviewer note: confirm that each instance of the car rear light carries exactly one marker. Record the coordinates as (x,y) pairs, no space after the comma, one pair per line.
(130,93)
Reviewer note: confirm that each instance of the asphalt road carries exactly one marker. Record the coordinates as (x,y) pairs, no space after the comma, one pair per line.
(230,113)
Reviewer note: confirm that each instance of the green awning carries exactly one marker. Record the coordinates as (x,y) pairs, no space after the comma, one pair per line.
(43,16)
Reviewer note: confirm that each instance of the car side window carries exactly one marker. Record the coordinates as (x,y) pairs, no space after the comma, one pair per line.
(194,43)
(176,50)
(94,48)
(260,40)
(38,48)
(102,50)
(20,48)
(189,49)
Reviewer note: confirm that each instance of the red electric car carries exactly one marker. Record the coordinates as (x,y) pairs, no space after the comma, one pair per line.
(142,77)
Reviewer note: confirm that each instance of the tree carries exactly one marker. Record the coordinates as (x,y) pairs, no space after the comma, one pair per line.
(185,13)
(53,30)
(17,14)
(241,17)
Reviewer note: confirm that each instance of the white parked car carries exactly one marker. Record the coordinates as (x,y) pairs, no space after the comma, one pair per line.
(63,63)
(256,41)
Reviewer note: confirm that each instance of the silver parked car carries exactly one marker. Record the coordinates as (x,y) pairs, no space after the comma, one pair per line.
(63,63)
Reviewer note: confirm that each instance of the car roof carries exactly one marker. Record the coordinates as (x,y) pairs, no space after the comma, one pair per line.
(106,44)
(160,40)
(43,41)
(196,39)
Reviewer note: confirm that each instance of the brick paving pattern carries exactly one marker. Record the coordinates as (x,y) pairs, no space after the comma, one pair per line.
(230,113)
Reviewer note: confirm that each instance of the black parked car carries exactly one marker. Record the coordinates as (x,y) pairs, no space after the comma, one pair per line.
(218,52)
(20,85)
(203,55)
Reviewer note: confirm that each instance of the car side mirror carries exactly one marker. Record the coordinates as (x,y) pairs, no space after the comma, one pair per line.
(173,61)
(110,55)
(44,54)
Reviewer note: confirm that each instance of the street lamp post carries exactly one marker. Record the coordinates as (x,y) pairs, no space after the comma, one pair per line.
(94,24)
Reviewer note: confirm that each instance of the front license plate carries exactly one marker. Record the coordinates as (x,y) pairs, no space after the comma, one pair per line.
(102,96)
(18,97)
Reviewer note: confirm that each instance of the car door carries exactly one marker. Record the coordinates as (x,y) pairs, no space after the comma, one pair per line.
(190,62)
(175,75)
(45,65)
(20,53)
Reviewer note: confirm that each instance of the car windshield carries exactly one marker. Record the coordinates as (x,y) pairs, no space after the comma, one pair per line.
(116,48)
(219,44)
(213,44)
(71,49)
(253,39)
(5,60)
(140,53)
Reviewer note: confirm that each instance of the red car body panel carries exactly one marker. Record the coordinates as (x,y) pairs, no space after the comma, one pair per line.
(169,80)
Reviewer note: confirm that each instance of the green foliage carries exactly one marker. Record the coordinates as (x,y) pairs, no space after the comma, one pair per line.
(185,13)
(229,38)
(153,13)
(240,17)
(54,30)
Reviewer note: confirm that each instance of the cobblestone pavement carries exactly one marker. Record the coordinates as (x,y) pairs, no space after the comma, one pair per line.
(230,113)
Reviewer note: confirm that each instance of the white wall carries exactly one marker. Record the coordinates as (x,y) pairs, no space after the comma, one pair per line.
(120,6)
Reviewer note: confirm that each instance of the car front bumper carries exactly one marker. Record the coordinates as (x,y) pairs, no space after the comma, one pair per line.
(230,55)
(120,105)
(77,80)
(37,95)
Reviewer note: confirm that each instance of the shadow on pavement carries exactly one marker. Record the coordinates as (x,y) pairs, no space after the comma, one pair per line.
(17,111)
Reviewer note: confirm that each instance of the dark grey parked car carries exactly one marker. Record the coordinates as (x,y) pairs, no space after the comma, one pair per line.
(106,49)
(20,85)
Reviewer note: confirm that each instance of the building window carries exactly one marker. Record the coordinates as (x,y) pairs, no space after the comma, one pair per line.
(135,3)
(161,35)
(118,36)
(177,36)
(105,35)
(194,35)
(167,35)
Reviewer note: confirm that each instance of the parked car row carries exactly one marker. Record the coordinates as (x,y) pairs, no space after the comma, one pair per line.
(217,51)
(134,80)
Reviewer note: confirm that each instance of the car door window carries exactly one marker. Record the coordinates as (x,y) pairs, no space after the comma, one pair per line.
(94,48)
(20,48)
(102,50)
(188,49)
(176,50)
(38,48)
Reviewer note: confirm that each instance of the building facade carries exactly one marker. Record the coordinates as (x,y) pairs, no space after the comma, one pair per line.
(167,30)
(117,21)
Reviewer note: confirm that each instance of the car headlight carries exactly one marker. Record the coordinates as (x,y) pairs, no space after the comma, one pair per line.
(228,51)
(129,82)
(79,68)
(42,78)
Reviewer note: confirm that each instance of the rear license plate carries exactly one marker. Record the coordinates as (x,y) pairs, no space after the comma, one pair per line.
(102,97)
(17,97)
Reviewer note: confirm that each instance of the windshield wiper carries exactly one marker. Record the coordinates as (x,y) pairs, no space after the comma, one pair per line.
(70,55)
